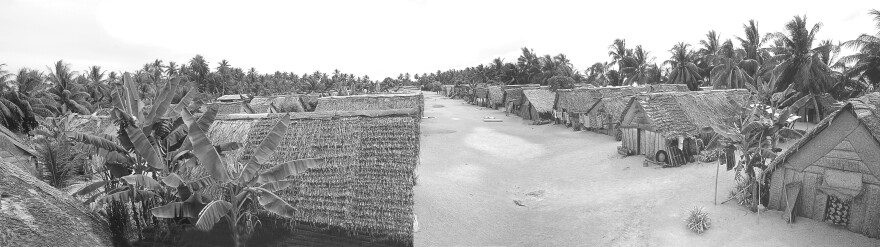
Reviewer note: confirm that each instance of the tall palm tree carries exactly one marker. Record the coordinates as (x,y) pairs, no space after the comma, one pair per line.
(866,62)
(707,53)
(171,70)
(752,42)
(684,71)
(529,65)
(798,62)
(638,67)
(618,51)
(97,86)
(731,71)
(69,94)
(198,70)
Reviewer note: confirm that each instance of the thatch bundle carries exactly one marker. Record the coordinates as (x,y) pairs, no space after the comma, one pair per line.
(224,108)
(366,185)
(32,213)
(370,102)
(660,88)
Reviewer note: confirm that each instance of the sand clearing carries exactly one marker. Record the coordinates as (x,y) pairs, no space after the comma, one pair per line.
(513,184)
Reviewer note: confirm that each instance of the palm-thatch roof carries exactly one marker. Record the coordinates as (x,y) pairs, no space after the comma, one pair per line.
(224,108)
(32,213)
(865,108)
(613,106)
(686,113)
(580,100)
(513,94)
(366,185)
(540,99)
(370,102)
(262,104)
(660,88)
(481,92)
(276,104)
(232,97)
(496,95)
(309,101)
(11,140)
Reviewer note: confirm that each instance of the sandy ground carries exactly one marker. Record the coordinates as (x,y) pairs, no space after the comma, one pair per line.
(575,190)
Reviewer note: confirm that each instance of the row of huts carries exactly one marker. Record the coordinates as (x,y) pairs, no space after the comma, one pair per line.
(832,174)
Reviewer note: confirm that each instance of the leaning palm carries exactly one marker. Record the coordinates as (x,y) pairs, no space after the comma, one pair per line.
(798,62)
(684,71)
(865,62)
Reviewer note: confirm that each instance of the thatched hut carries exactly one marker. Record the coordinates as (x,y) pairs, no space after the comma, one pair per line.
(365,189)
(604,116)
(537,104)
(33,213)
(309,101)
(496,97)
(570,104)
(481,96)
(232,98)
(662,126)
(276,104)
(817,108)
(262,104)
(832,174)
(371,102)
(513,97)
(14,151)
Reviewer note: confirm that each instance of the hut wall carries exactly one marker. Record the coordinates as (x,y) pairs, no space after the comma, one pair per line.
(629,138)
(845,146)
(653,142)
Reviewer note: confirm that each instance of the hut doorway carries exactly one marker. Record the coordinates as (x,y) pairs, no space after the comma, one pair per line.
(640,134)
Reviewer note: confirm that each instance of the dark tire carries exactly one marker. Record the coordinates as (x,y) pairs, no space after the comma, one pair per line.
(661,156)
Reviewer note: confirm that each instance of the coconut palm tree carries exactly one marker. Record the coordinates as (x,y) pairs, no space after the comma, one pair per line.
(638,67)
(684,71)
(70,95)
(97,86)
(731,71)
(172,69)
(797,62)
(618,51)
(707,53)
(866,62)
(529,65)
(752,42)
(198,71)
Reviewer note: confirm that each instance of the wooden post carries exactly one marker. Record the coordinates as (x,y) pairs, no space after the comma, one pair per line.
(717,168)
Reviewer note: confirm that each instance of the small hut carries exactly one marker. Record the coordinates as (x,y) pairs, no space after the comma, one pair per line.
(571,104)
(817,108)
(537,104)
(14,151)
(663,126)
(496,97)
(232,98)
(33,213)
(371,102)
(276,104)
(262,104)
(604,116)
(365,188)
(513,97)
(309,101)
(481,96)
(832,174)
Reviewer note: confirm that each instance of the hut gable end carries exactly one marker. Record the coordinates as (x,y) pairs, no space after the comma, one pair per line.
(845,145)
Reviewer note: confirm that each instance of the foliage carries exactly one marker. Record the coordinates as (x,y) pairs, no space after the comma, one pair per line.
(698,220)
(797,61)
(684,71)
(561,82)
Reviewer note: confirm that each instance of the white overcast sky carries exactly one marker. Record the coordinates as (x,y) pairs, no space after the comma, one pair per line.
(380,38)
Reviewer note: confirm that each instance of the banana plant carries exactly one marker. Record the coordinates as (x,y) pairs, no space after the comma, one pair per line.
(755,135)
(243,190)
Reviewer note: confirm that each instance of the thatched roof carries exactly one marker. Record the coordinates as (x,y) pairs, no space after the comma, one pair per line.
(660,88)
(613,106)
(865,108)
(541,99)
(261,104)
(370,102)
(496,95)
(514,94)
(481,93)
(685,113)
(232,97)
(224,108)
(580,100)
(12,138)
(92,124)
(366,186)
(32,213)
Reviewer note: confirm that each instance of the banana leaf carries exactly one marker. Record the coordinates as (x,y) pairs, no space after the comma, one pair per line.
(205,151)
(284,170)
(212,213)
(143,147)
(275,204)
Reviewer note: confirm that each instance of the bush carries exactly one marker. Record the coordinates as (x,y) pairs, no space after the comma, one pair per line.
(698,220)
(560,82)
(742,192)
